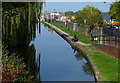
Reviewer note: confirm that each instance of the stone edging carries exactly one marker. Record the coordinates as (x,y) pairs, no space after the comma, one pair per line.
(85,55)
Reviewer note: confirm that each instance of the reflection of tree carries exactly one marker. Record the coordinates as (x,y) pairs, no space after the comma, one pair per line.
(79,56)
(86,67)
(49,29)
(18,29)
(45,25)
(37,68)
(39,28)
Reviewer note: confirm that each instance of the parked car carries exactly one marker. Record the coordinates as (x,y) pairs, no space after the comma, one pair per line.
(108,25)
(117,25)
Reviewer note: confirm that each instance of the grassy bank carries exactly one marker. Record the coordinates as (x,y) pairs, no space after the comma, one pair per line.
(106,66)
(81,37)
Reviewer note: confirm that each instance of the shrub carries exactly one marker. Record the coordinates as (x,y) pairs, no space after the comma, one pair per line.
(13,68)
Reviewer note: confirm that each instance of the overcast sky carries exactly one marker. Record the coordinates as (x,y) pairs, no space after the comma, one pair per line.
(75,6)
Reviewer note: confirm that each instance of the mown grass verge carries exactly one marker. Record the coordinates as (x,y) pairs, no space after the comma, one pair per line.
(106,66)
(81,37)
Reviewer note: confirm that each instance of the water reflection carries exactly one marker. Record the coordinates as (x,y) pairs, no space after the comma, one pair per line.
(50,58)
(37,68)
(86,66)
(55,59)
(38,27)
(49,29)
(79,57)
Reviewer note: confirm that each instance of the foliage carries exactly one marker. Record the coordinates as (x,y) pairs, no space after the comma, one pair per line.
(89,16)
(115,10)
(18,29)
(80,15)
(13,69)
(0,61)
(69,13)
(18,22)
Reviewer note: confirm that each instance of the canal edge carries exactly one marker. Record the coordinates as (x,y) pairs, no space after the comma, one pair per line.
(85,55)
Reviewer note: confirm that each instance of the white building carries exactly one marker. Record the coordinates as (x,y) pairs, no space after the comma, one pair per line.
(53,15)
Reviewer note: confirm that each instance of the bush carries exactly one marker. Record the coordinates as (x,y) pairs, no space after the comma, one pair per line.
(13,68)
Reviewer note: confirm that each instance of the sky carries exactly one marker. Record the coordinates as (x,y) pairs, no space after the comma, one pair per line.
(75,6)
(70,5)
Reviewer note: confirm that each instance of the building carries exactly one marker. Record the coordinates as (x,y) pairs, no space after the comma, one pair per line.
(106,17)
(54,14)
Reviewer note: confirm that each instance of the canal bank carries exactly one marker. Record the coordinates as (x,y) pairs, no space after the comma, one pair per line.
(55,60)
(105,67)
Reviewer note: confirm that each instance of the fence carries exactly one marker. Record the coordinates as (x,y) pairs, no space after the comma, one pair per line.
(111,31)
(104,36)
(108,36)
(73,26)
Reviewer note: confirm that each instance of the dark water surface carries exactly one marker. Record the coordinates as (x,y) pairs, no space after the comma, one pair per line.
(55,60)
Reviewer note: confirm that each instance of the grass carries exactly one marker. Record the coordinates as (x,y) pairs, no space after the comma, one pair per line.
(106,65)
(81,37)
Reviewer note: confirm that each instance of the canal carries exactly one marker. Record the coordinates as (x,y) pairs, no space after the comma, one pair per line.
(54,59)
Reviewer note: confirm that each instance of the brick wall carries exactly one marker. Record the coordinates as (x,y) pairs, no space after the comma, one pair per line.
(113,51)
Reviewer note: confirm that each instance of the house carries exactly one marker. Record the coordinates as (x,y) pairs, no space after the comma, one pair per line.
(60,17)
(42,18)
(54,14)
(106,17)
(72,18)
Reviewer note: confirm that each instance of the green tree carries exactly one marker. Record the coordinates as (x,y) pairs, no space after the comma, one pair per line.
(115,10)
(89,16)
(80,15)
(69,13)
(18,22)
(18,29)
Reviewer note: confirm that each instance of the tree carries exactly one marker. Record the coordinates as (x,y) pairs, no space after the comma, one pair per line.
(89,16)
(69,13)
(115,10)
(80,15)
(18,22)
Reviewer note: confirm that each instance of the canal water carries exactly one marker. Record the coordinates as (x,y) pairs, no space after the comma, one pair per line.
(55,60)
